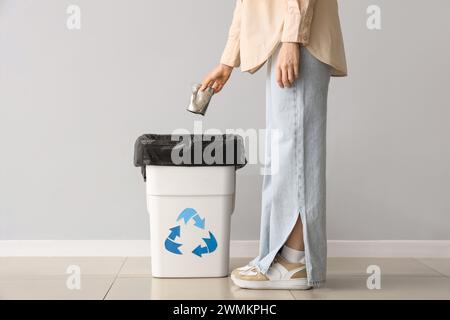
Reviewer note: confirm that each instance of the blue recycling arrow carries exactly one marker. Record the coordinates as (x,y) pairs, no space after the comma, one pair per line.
(174,232)
(199,250)
(211,245)
(187,214)
(199,222)
(172,246)
(211,242)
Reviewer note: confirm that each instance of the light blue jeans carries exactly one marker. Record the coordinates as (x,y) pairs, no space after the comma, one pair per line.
(297,185)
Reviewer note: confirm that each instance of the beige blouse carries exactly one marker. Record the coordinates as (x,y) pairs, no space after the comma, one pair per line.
(258,27)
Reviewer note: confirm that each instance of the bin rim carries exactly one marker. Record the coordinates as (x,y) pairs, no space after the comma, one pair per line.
(157,150)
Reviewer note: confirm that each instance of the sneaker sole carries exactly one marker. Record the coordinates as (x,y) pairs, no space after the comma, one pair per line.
(293,284)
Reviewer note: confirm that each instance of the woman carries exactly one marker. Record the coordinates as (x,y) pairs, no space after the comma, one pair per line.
(302,42)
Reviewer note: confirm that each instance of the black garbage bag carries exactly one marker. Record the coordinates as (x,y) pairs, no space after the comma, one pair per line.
(189,150)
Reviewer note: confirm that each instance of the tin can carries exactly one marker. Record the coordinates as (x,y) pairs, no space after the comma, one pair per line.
(200,99)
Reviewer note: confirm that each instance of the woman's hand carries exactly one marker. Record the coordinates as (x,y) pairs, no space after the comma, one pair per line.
(217,78)
(288,64)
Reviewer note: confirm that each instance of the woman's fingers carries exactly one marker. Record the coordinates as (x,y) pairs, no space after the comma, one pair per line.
(217,78)
(280,77)
(208,84)
(205,84)
(216,86)
(211,83)
(296,70)
(286,76)
(291,75)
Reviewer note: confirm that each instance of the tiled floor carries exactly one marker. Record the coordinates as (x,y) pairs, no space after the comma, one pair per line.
(130,278)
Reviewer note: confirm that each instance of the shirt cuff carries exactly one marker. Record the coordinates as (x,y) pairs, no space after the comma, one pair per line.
(291,28)
(231,54)
(297,22)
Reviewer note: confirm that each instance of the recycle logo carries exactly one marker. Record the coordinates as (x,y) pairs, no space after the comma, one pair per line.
(175,232)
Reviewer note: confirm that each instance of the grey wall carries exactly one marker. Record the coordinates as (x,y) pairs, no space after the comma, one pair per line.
(73,102)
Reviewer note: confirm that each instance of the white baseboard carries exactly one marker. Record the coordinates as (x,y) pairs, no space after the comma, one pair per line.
(390,248)
(238,248)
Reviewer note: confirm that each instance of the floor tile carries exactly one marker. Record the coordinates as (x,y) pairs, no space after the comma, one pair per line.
(197,289)
(388,266)
(33,266)
(245,294)
(136,267)
(45,278)
(392,287)
(54,288)
(141,266)
(440,265)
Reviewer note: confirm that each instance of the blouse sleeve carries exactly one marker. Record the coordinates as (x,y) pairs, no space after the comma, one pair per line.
(231,54)
(297,22)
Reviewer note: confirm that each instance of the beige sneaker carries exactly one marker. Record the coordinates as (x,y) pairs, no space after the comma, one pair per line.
(281,275)
(241,269)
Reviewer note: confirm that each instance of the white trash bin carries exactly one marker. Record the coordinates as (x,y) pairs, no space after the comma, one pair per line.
(190,210)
